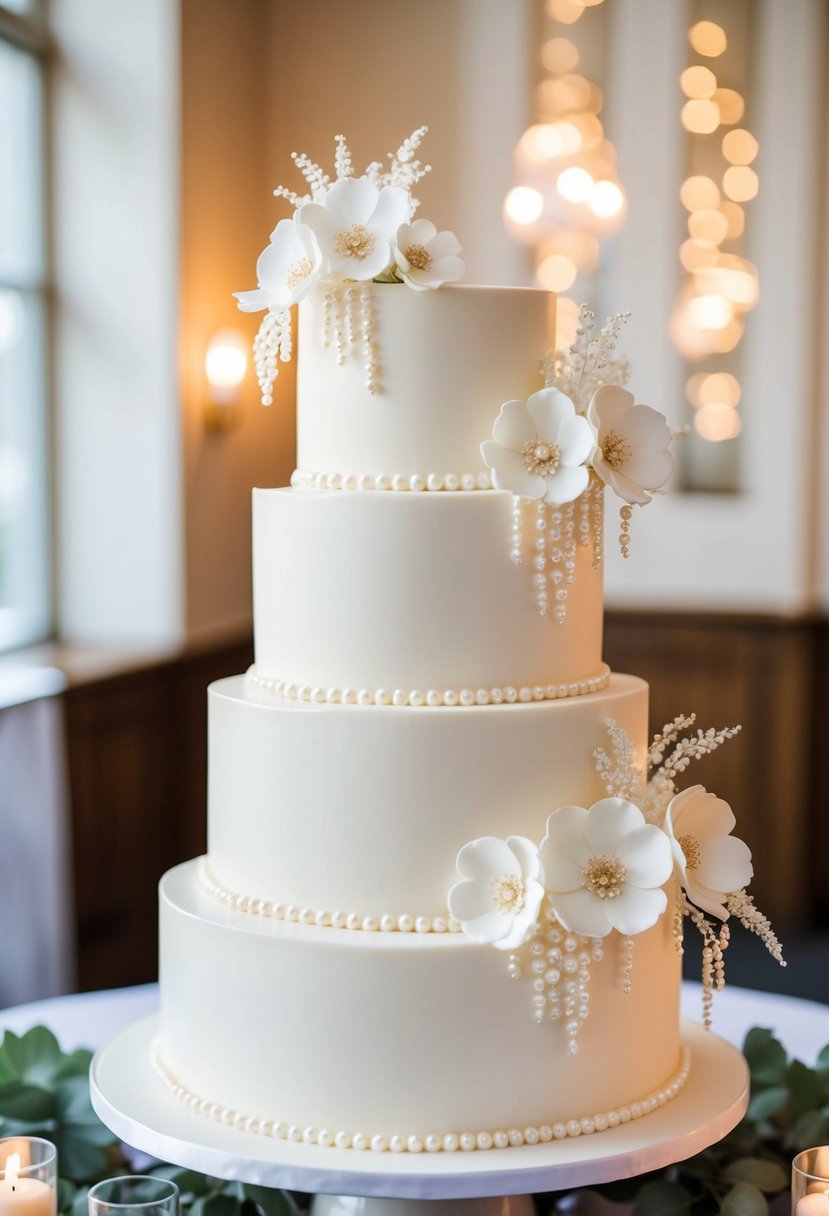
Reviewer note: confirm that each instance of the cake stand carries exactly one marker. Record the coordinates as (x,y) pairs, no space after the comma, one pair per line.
(131,1099)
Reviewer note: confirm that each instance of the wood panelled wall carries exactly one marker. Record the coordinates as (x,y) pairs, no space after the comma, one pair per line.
(137,754)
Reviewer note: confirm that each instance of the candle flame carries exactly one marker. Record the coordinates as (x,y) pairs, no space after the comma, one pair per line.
(12,1169)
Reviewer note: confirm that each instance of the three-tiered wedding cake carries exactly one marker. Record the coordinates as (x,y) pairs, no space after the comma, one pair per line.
(402,780)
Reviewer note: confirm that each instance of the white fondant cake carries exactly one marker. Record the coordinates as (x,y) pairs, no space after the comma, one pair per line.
(446,878)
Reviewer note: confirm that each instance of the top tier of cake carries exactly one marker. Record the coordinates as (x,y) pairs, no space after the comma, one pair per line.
(446,359)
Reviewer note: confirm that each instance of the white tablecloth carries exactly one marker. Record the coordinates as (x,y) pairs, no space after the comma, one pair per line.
(91,1019)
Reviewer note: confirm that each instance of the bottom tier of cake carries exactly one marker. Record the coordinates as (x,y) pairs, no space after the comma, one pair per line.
(400,1040)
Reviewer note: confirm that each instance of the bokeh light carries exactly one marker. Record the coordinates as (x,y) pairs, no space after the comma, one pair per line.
(699,192)
(565,11)
(731,106)
(740,183)
(696,255)
(718,422)
(708,225)
(698,82)
(739,147)
(574,184)
(606,199)
(556,272)
(700,117)
(568,319)
(559,55)
(523,205)
(709,312)
(735,218)
(707,38)
(720,388)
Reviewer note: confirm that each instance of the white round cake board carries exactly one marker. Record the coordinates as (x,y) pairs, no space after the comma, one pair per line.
(131,1099)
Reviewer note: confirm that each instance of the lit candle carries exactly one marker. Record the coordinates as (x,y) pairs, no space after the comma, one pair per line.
(24,1196)
(816,1204)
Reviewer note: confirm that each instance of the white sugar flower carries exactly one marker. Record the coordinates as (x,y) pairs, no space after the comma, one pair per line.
(632,454)
(539,450)
(710,862)
(356,225)
(501,890)
(425,257)
(286,271)
(605,868)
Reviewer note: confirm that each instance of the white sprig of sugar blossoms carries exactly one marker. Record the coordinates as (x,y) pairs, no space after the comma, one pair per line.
(346,234)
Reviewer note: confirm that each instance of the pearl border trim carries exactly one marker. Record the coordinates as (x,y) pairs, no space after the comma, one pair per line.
(433,697)
(305,479)
(387,923)
(433,1142)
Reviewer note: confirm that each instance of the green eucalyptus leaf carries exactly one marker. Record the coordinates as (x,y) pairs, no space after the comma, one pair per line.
(66,1194)
(78,1159)
(272,1203)
(76,1064)
(809,1129)
(661,1198)
(80,1205)
(188,1182)
(768,1103)
(744,1200)
(25,1102)
(222,1205)
(822,1064)
(806,1088)
(35,1057)
(765,1055)
(765,1175)
(75,1111)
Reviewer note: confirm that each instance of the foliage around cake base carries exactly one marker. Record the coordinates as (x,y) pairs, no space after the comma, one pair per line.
(45,1092)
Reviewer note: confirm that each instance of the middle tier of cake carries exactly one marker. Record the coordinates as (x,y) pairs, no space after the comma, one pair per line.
(357,812)
(407,593)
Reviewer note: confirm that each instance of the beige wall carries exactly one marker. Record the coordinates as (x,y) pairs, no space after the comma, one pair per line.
(225,220)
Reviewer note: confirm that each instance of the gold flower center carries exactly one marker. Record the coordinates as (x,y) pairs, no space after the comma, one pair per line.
(540,457)
(508,892)
(355,242)
(419,257)
(690,847)
(616,450)
(297,273)
(603,876)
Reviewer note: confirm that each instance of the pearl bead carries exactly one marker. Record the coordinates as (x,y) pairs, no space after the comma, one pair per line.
(350,481)
(451,481)
(360,1141)
(414,1144)
(588,1127)
(369,924)
(432,1143)
(438,925)
(573,1127)
(352,921)
(516,1137)
(401,697)
(405,923)
(397,1144)
(482,697)
(467,697)
(450,1143)
(468,481)
(466,1141)
(382,696)
(500,1139)
(560,1131)
(365,482)
(379,1144)
(309,1135)
(450,697)
(525,694)
(382,482)
(417,483)
(434,481)
(295,1133)
(416,698)
(434,698)
(483,1140)
(531,1135)
(399,482)
(365,697)
(342,1140)
(484,481)
(386,923)
(422,924)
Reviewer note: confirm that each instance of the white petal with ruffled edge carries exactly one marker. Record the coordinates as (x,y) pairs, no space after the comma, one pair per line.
(581,912)
(548,409)
(636,909)
(608,821)
(725,865)
(485,858)
(565,485)
(510,473)
(646,855)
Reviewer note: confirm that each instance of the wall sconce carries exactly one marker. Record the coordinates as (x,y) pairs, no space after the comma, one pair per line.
(225,366)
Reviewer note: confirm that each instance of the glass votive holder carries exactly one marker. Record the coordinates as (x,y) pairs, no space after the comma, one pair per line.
(810,1182)
(28,1176)
(134,1194)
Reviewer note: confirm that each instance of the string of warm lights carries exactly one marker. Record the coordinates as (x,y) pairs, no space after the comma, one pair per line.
(718,286)
(568,194)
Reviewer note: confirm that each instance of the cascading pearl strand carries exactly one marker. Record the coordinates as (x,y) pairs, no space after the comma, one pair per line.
(272,340)
(349,316)
(538,967)
(597,511)
(367,336)
(626,963)
(540,558)
(339,326)
(516,552)
(328,302)
(569,551)
(584,503)
(624,530)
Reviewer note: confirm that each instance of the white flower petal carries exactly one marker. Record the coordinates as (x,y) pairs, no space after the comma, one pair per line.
(608,822)
(618,483)
(353,200)
(362,269)
(449,269)
(576,440)
(321,222)
(645,428)
(695,812)
(581,912)
(391,210)
(526,854)
(562,872)
(470,899)
(419,232)
(608,407)
(649,469)
(636,910)
(566,484)
(565,835)
(513,427)
(647,856)
(521,927)
(712,902)
(725,864)
(443,245)
(253,301)
(548,408)
(486,930)
(486,858)
(510,473)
